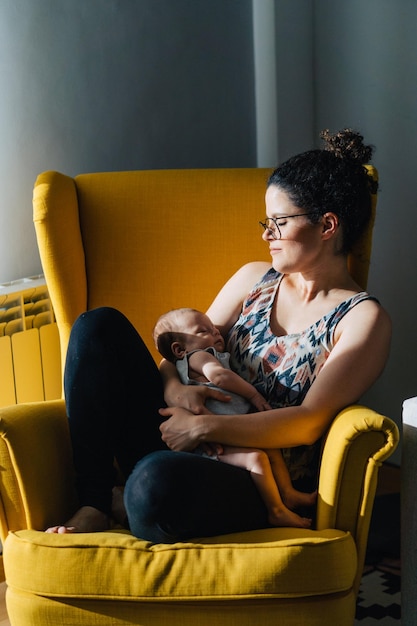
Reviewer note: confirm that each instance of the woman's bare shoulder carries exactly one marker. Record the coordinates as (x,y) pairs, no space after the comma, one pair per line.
(367,319)
(226,307)
(252,272)
(244,279)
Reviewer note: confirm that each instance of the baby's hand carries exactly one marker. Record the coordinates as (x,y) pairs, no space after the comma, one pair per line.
(212,449)
(259,402)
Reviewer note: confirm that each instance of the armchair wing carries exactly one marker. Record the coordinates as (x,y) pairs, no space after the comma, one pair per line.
(57,223)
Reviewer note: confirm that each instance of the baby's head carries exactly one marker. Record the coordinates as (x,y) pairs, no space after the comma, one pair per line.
(183,330)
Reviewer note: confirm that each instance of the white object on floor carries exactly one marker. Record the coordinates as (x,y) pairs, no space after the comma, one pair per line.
(409,513)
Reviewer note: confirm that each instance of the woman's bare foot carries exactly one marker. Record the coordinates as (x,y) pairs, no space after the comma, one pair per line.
(285,517)
(298,499)
(86,520)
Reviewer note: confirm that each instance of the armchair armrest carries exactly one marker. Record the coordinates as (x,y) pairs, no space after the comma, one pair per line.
(36,486)
(357,443)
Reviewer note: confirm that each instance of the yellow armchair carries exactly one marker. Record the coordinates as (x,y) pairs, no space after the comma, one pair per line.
(145,242)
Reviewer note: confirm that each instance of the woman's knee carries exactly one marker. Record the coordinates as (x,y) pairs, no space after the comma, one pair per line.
(98,319)
(146,477)
(150,496)
(99,330)
(152,484)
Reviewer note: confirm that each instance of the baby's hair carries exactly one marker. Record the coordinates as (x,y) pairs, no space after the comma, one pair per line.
(168,329)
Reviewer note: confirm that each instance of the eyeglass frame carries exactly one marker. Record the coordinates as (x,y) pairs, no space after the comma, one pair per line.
(281,217)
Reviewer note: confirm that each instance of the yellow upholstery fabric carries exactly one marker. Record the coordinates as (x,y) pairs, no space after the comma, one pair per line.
(145,242)
(272,563)
(32,610)
(266,565)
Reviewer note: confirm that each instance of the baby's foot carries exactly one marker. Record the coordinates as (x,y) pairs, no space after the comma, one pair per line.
(285,517)
(87,519)
(298,499)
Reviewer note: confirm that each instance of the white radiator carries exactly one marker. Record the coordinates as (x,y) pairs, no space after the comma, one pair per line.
(30,361)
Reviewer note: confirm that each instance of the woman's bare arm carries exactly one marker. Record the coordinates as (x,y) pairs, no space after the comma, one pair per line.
(227,305)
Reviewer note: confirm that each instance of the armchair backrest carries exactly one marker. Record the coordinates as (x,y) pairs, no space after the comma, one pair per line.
(149,241)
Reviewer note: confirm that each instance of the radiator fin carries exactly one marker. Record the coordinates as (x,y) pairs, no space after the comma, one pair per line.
(30,361)
(7,385)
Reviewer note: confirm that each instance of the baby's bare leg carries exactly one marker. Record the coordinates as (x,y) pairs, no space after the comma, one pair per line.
(293,498)
(257,463)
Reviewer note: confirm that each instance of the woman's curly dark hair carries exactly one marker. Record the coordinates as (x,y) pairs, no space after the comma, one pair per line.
(332,179)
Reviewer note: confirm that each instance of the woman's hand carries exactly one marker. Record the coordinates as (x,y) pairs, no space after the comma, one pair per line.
(180,430)
(193,398)
(190,397)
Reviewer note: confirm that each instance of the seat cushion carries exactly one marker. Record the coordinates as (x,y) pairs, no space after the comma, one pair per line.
(271,563)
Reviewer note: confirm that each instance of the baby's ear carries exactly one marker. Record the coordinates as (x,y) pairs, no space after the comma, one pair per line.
(177,350)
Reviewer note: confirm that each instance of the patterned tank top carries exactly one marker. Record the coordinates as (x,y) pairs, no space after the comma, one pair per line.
(282,368)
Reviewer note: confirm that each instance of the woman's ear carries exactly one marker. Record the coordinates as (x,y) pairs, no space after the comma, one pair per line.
(177,350)
(330,223)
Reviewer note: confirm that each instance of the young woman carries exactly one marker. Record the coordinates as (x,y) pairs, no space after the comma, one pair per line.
(302,332)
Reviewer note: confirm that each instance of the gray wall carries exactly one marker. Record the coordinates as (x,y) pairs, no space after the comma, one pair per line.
(295,54)
(95,85)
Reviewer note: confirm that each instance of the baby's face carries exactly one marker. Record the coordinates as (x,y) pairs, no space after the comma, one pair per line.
(200,333)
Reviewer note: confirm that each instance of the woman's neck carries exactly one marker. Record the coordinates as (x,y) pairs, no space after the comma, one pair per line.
(302,300)
(322,282)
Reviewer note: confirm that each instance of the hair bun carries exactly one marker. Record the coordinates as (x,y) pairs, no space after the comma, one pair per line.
(347,144)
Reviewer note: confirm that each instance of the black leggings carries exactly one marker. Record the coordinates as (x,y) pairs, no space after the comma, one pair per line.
(113,391)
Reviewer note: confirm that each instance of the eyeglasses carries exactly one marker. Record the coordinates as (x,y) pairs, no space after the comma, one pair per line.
(273,228)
